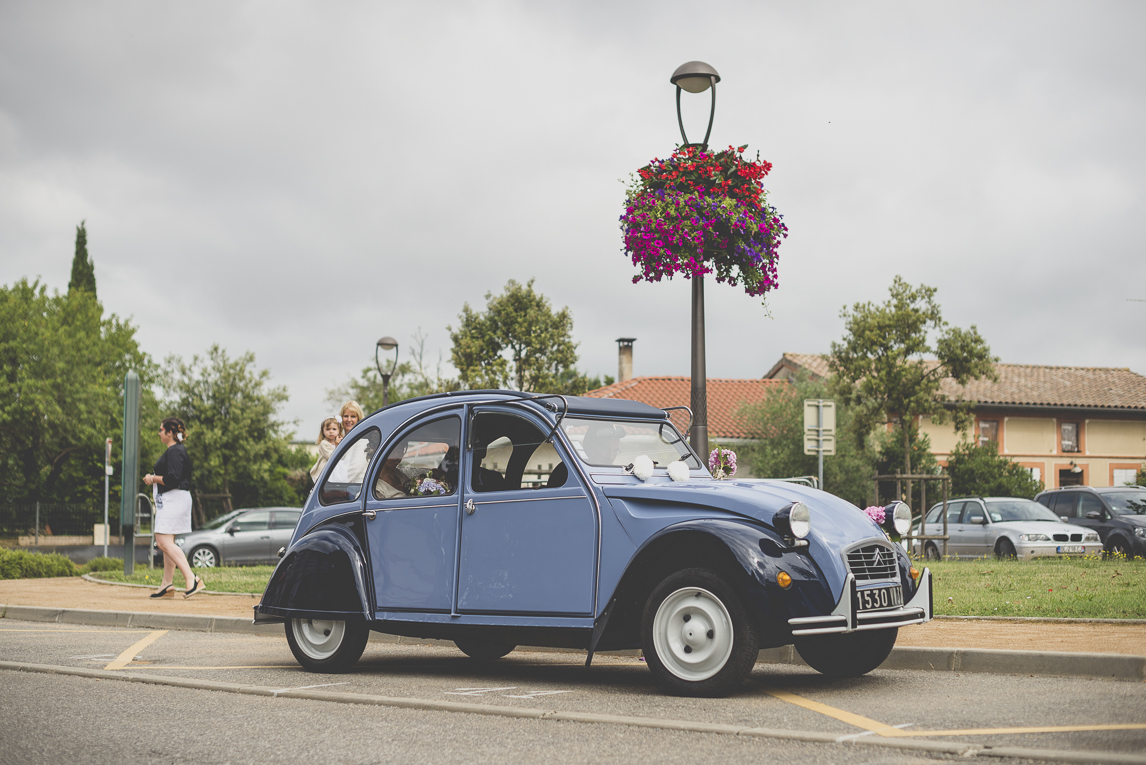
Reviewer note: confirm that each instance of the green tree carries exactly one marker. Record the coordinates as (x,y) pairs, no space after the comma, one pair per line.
(518,342)
(778,424)
(891,460)
(982,471)
(881,368)
(62,365)
(83,270)
(236,441)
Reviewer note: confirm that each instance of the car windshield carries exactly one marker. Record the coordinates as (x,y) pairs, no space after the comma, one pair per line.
(222,520)
(619,442)
(1127,502)
(1003,510)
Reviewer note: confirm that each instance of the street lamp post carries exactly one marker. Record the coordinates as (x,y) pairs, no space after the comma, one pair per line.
(386,344)
(697,77)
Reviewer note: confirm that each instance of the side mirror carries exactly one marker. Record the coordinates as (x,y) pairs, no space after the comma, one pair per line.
(1065,518)
(980,520)
(233,528)
(1094,515)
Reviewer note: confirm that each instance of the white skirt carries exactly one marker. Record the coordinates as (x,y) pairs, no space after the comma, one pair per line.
(172,511)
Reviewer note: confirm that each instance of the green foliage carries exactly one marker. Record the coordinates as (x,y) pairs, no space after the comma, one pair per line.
(519,342)
(104,564)
(62,366)
(236,442)
(21,564)
(891,461)
(980,470)
(778,421)
(880,366)
(247,579)
(1140,479)
(83,270)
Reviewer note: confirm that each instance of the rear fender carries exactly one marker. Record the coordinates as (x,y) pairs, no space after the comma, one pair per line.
(322,576)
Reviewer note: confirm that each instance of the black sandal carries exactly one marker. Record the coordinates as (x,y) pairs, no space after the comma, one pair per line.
(166,592)
(198,587)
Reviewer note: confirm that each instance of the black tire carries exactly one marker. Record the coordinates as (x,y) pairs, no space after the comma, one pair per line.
(931,552)
(850,655)
(1115,547)
(328,646)
(696,635)
(484,650)
(208,557)
(1005,549)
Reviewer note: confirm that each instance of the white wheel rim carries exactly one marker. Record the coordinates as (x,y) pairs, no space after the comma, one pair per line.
(203,559)
(692,634)
(318,638)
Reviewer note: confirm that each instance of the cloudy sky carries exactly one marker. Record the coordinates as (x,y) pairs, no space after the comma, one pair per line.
(299,179)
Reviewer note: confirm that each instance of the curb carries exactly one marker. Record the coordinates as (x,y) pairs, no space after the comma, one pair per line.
(987,661)
(919,745)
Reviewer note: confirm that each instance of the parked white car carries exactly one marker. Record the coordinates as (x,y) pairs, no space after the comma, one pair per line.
(1006,527)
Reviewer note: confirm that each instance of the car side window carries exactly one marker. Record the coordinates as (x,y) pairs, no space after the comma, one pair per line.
(1088,503)
(954,511)
(344,480)
(257,521)
(973,513)
(1065,504)
(935,514)
(285,519)
(509,452)
(422,463)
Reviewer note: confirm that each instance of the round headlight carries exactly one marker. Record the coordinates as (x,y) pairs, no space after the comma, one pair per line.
(902,517)
(800,520)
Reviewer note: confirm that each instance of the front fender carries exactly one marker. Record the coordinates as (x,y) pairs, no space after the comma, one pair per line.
(322,576)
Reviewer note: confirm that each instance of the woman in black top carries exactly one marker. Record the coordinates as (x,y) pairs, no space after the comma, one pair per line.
(170,484)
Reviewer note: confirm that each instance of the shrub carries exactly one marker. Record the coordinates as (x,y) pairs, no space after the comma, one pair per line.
(20,564)
(104,564)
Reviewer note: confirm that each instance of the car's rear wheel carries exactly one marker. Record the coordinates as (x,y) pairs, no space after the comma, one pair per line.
(1004,549)
(696,635)
(326,645)
(203,557)
(484,650)
(931,552)
(1115,548)
(850,655)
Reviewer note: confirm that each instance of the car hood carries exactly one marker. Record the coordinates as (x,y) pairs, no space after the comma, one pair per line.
(836,523)
(1033,527)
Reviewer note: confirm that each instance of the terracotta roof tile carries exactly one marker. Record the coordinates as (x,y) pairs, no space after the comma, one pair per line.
(814,364)
(725,397)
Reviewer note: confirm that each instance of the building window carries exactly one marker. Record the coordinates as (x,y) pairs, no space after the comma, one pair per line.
(1123,476)
(1069,436)
(988,431)
(1036,473)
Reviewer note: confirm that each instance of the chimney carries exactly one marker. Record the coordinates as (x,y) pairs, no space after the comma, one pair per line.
(625,358)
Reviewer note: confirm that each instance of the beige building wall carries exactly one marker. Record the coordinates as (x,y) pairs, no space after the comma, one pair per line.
(943,437)
(1029,435)
(1116,438)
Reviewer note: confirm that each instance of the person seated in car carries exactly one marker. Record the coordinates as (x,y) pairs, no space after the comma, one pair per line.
(602,443)
(391,481)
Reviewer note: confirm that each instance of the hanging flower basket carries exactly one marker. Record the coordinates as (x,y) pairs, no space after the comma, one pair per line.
(701,212)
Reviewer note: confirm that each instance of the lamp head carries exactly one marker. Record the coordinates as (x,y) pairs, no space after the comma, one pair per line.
(695,76)
(387,343)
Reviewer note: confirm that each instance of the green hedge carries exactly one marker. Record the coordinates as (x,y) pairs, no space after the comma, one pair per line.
(20,564)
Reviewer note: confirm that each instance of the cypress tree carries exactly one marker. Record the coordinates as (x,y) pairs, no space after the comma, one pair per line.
(83,270)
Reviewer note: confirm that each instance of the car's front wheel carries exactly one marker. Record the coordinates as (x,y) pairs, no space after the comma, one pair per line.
(325,645)
(484,650)
(696,634)
(932,552)
(1115,548)
(847,655)
(203,557)
(1004,549)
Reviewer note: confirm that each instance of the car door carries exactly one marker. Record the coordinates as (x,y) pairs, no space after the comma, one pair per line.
(974,530)
(282,526)
(1093,514)
(955,538)
(525,548)
(248,538)
(412,512)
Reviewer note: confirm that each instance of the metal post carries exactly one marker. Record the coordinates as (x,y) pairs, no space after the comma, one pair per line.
(385,386)
(699,398)
(130,472)
(106,492)
(820,437)
(37,523)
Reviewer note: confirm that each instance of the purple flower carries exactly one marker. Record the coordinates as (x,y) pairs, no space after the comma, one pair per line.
(876,514)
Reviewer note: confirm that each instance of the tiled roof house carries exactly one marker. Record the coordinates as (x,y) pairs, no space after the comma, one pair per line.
(1067,425)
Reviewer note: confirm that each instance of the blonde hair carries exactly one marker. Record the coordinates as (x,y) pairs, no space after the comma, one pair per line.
(322,429)
(353,407)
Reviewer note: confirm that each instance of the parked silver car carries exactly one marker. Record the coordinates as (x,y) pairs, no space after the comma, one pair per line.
(242,536)
(1007,527)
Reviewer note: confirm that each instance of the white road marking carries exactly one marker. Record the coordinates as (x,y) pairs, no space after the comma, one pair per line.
(95,656)
(478,691)
(534,695)
(842,739)
(306,687)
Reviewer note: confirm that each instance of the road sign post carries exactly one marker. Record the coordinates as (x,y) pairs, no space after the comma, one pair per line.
(820,430)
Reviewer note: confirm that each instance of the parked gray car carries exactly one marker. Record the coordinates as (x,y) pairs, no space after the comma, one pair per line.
(242,536)
(1006,527)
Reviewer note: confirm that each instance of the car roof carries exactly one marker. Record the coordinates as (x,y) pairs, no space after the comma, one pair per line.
(1095,489)
(549,404)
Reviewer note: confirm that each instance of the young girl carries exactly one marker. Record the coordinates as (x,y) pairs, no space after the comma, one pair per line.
(328,437)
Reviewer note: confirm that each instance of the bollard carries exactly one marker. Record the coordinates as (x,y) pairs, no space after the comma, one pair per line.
(130,471)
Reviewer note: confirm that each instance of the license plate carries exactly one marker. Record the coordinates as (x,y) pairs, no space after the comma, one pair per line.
(1071,548)
(880,597)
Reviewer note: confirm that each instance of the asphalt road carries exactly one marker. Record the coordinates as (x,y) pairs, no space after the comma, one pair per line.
(360,717)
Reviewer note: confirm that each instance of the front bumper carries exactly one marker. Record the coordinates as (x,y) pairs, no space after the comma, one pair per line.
(846,616)
(1028,550)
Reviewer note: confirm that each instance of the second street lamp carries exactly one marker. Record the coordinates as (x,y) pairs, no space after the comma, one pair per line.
(386,344)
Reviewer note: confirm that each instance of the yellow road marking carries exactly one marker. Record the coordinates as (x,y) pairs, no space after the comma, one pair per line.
(125,658)
(1044,729)
(876,727)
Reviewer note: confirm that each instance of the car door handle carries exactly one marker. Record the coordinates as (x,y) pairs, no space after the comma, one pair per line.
(369,514)
(470,507)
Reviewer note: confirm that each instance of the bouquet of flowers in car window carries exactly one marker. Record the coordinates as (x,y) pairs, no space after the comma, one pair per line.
(700,212)
(722,463)
(428,486)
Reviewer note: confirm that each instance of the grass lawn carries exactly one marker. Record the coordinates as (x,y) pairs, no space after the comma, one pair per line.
(252,579)
(1055,587)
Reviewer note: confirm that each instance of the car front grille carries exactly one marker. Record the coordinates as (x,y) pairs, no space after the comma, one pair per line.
(872,562)
(1068,537)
